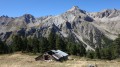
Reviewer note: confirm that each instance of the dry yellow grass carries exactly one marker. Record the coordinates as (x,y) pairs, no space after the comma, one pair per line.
(23,60)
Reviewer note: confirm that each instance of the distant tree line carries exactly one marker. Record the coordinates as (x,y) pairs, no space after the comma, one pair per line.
(3,48)
(42,44)
(54,42)
(110,52)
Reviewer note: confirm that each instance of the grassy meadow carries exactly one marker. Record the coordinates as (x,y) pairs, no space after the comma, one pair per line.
(26,60)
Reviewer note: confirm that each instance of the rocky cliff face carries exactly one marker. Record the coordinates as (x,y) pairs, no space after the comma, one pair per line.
(108,21)
(92,29)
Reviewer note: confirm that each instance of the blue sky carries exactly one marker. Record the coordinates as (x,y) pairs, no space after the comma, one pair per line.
(15,8)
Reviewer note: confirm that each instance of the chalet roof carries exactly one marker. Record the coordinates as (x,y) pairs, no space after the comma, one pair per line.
(58,54)
(62,53)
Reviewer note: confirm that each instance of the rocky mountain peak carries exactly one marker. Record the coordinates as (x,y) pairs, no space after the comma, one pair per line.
(76,9)
(109,10)
(4,16)
(112,13)
(107,13)
(28,18)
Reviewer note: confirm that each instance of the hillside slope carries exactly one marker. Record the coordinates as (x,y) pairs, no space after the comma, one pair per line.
(92,29)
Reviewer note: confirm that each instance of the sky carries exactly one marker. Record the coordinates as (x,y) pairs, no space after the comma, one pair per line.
(15,8)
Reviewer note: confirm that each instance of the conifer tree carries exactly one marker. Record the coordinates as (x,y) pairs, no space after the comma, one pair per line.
(52,40)
(44,45)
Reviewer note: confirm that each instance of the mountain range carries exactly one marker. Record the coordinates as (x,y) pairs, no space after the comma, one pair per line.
(93,29)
